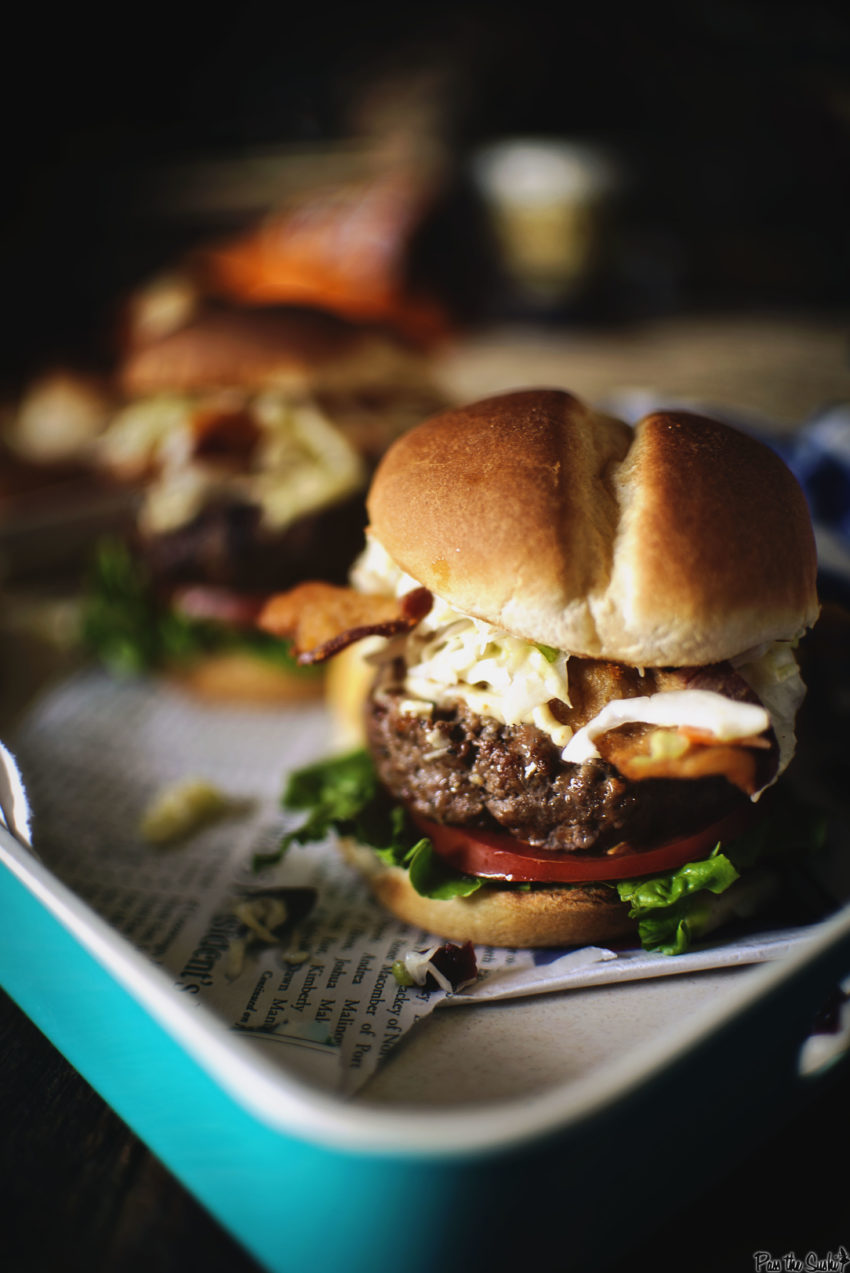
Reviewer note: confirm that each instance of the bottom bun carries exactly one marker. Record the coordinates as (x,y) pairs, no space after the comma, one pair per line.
(239,677)
(561,916)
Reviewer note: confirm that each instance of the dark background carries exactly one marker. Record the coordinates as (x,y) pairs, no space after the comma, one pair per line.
(733,120)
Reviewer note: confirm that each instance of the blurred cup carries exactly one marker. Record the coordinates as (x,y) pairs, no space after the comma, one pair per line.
(549,201)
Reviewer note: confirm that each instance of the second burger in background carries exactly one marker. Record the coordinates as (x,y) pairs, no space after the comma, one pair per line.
(251,437)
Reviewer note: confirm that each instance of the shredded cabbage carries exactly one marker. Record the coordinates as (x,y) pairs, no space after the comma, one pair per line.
(452,656)
(302,461)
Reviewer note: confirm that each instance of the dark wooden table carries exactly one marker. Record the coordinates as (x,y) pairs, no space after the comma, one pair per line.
(81,1194)
(78,1191)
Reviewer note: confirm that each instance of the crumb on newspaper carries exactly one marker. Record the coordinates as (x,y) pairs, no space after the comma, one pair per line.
(448,967)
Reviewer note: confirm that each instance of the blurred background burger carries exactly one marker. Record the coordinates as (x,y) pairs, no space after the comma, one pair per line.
(250,437)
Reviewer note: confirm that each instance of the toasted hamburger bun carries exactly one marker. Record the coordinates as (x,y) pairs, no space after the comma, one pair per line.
(239,677)
(368,384)
(580,916)
(299,349)
(680,542)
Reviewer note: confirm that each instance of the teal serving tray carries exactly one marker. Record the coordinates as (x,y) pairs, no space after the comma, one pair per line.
(305,1180)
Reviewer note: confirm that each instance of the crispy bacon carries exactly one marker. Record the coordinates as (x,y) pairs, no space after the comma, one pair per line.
(322,619)
(736,764)
(701,757)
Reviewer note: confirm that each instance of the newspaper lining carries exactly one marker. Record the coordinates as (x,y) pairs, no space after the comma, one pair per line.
(94,754)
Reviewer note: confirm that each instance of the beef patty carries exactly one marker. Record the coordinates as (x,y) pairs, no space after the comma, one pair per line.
(468,770)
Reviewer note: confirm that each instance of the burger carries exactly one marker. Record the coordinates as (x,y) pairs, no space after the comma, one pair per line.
(586,684)
(250,438)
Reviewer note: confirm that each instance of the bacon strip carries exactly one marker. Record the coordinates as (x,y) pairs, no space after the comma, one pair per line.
(702,756)
(322,619)
(736,764)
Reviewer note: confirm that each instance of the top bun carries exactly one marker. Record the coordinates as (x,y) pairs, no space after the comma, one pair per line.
(679,542)
(295,349)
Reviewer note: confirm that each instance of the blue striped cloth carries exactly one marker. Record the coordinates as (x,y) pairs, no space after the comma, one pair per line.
(819,456)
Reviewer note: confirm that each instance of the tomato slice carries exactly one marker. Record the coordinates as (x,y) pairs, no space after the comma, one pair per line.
(494,856)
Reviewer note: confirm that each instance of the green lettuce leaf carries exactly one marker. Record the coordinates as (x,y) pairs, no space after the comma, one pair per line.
(333,792)
(432,877)
(714,873)
(673,931)
(118,623)
(126,628)
(343,795)
(676,908)
(673,909)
